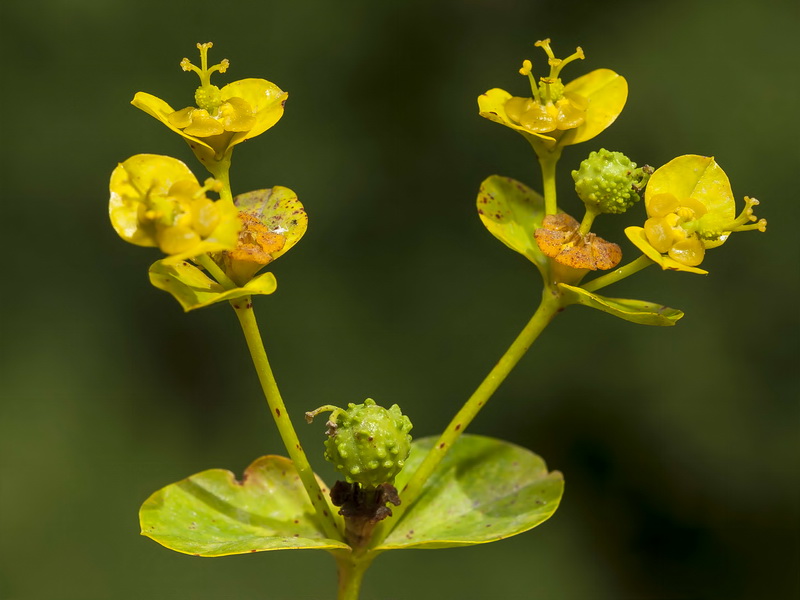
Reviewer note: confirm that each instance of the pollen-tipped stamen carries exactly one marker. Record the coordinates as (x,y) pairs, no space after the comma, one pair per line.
(527,70)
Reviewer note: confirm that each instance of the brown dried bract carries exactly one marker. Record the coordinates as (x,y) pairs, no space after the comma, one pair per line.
(256,243)
(559,239)
(363,509)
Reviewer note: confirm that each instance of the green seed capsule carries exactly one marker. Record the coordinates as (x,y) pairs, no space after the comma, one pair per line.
(367,443)
(609,181)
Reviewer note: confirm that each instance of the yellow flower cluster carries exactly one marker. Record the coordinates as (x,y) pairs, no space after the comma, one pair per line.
(223,117)
(157,201)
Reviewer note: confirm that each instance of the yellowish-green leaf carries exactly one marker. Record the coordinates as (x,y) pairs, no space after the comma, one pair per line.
(511,211)
(635,311)
(483,490)
(279,209)
(213,514)
(194,289)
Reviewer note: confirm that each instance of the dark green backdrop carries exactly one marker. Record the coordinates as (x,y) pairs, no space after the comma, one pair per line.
(679,446)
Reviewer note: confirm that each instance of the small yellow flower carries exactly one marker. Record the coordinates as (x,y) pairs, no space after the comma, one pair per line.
(157,201)
(558,114)
(223,117)
(690,208)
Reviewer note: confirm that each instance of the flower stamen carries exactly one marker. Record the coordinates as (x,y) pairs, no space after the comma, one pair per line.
(527,70)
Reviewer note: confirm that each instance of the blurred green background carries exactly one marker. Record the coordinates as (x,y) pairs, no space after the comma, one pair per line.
(679,446)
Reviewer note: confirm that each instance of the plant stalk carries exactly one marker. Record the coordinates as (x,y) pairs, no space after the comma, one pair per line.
(205,261)
(244,311)
(618,274)
(548,161)
(551,304)
(351,569)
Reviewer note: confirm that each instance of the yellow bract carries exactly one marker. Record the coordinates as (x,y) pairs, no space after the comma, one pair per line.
(273,220)
(558,114)
(691,208)
(157,201)
(223,117)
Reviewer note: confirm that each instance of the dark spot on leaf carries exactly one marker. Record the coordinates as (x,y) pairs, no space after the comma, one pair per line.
(441,445)
(278,411)
(458,426)
(253,550)
(297,521)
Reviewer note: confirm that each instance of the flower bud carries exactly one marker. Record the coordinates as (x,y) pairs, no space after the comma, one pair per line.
(609,181)
(367,443)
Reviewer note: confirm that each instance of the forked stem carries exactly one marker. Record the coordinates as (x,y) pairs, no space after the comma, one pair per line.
(551,304)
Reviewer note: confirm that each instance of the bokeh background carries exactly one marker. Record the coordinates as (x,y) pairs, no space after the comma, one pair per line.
(679,445)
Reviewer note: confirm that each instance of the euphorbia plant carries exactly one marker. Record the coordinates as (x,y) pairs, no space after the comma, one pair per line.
(394,493)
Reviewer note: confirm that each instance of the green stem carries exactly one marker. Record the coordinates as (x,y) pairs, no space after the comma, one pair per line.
(351,573)
(551,304)
(588,218)
(220,169)
(548,162)
(618,274)
(247,319)
(205,261)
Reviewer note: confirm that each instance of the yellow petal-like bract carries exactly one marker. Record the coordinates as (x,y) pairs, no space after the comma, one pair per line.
(157,201)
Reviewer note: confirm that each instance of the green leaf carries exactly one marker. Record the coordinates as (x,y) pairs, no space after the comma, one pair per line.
(511,211)
(635,311)
(194,289)
(484,490)
(213,514)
